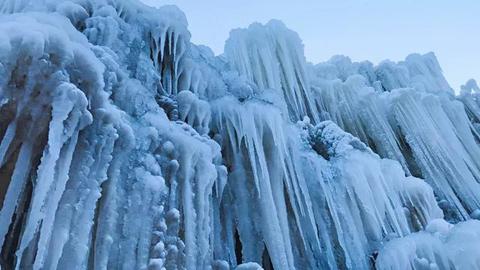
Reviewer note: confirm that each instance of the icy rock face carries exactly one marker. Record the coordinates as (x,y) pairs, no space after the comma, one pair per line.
(280,178)
(382,202)
(425,132)
(47,102)
(93,171)
(125,146)
(271,56)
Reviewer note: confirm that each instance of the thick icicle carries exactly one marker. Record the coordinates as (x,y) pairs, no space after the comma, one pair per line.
(271,56)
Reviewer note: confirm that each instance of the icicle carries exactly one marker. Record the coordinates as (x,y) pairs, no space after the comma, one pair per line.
(15,188)
(271,56)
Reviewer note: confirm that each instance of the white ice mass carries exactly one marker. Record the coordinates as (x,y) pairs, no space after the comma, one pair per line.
(125,146)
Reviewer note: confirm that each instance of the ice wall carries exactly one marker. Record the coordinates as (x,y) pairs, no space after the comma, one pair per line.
(94,173)
(271,56)
(469,96)
(125,146)
(422,126)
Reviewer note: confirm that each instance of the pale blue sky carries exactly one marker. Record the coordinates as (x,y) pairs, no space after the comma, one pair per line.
(362,29)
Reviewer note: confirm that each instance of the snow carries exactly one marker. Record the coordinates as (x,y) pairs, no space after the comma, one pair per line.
(249,266)
(125,146)
(441,246)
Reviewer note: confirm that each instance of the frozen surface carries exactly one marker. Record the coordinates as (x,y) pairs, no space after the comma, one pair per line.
(125,146)
(440,246)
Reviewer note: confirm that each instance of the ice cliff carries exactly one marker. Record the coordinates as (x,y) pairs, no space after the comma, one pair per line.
(125,146)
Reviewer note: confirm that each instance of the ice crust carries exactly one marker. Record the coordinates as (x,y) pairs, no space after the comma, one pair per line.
(125,146)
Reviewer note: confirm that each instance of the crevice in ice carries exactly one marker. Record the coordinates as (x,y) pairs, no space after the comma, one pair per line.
(266,261)
(238,247)
(169,106)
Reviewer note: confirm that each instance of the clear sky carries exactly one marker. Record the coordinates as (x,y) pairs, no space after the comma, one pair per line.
(361,29)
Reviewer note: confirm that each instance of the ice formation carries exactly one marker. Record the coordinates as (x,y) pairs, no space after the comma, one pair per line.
(125,146)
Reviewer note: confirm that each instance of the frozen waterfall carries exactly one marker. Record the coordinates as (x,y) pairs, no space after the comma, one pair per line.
(125,146)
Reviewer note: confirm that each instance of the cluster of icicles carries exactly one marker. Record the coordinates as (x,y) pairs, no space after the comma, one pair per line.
(125,146)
